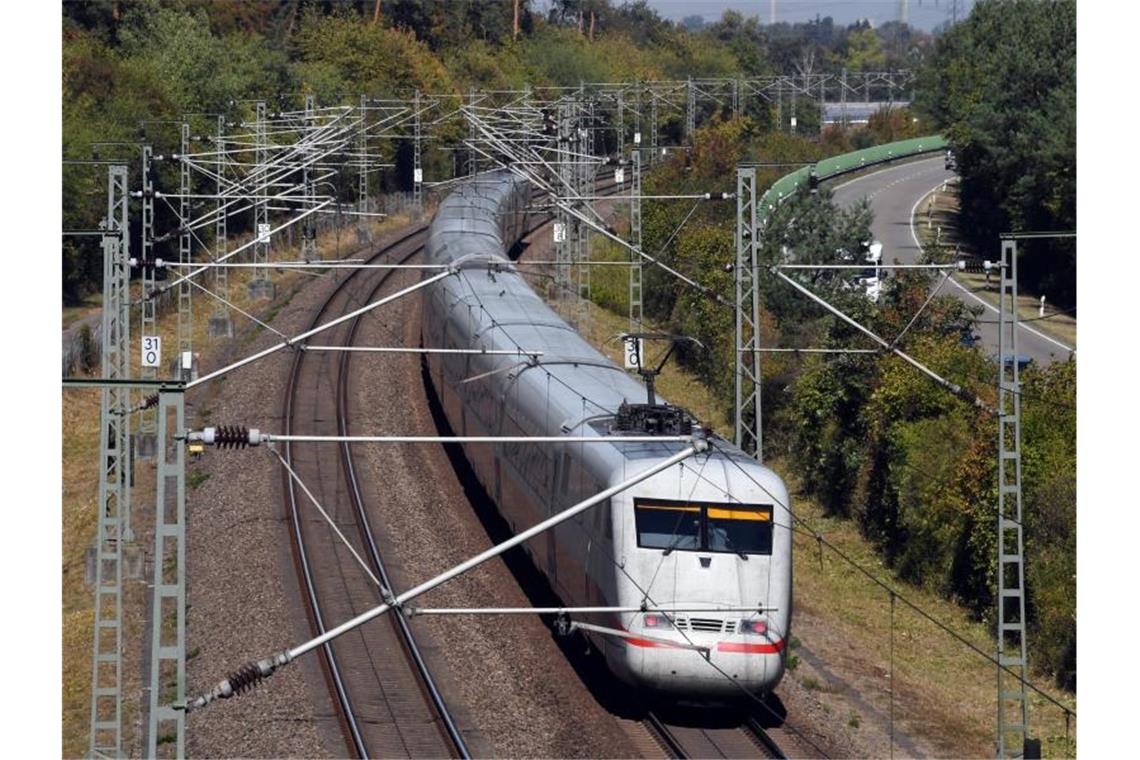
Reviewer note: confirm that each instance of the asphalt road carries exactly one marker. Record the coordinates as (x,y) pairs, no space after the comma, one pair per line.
(894,193)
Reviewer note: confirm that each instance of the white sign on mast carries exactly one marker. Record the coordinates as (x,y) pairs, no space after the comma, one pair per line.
(632,352)
(151,351)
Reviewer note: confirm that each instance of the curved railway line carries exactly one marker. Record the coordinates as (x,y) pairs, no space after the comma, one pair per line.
(387,706)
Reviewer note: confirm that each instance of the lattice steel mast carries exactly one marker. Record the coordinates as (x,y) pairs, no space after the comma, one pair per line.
(260,285)
(1013,707)
(168,608)
(149,325)
(635,271)
(185,300)
(309,227)
(221,324)
(114,476)
(749,436)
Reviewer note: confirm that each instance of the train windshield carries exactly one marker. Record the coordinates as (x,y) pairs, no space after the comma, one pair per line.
(743,529)
(700,526)
(668,526)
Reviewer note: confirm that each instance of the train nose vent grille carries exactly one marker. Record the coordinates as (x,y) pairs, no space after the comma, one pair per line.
(706,624)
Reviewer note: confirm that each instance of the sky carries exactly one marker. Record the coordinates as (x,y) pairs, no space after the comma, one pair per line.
(922,14)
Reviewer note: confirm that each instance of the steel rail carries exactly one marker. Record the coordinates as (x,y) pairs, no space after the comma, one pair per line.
(660,732)
(398,619)
(758,733)
(329,660)
(333,671)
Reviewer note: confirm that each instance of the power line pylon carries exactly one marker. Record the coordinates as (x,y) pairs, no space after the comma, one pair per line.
(1013,707)
(260,286)
(635,272)
(145,442)
(309,250)
(749,436)
(112,524)
(221,324)
(184,360)
(166,725)
(417,157)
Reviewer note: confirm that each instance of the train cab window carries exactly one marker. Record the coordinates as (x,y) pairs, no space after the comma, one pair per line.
(667,525)
(739,529)
(699,526)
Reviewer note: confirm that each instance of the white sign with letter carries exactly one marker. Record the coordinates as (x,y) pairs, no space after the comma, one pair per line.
(619,175)
(559,232)
(263,233)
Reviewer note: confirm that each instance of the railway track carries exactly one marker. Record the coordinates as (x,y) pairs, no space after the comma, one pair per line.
(746,738)
(388,706)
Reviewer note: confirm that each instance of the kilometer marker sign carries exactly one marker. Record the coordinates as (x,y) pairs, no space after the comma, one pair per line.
(151,351)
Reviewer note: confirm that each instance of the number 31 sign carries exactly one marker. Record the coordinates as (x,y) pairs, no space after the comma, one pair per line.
(151,351)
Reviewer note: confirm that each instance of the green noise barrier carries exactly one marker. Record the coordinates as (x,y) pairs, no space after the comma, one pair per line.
(830,168)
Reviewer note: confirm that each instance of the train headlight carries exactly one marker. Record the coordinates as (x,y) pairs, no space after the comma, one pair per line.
(755,627)
(656,620)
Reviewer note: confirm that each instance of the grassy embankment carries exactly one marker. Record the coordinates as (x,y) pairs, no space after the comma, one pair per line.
(80,450)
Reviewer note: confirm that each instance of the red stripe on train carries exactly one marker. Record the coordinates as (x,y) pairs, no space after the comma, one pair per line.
(723,646)
(742,648)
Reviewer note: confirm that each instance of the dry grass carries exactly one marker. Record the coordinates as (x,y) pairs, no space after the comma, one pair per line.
(936,225)
(80,480)
(72,314)
(674,384)
(80,494)
(944,691)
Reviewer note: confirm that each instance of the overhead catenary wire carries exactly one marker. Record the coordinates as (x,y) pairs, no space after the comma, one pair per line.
(255,672)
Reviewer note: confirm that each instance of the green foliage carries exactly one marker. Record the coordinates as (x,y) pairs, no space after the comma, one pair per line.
(609,286)
(915,466)
(865,51)
(339,58)
(824,413)
(1002,85)
(705,249)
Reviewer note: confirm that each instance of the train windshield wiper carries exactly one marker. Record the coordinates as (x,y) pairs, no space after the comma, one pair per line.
(673,545)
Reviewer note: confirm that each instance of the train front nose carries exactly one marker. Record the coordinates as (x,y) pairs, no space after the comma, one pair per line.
(718,665)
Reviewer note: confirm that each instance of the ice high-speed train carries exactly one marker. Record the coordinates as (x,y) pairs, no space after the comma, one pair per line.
(711,533)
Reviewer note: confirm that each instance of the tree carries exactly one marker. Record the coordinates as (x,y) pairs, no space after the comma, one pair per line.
(865,51)
(1009,112)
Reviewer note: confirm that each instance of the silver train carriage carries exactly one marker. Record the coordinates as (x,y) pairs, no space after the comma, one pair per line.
(708,533)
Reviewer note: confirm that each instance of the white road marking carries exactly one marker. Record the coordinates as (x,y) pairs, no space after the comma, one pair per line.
(892,168)
(1022,325)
